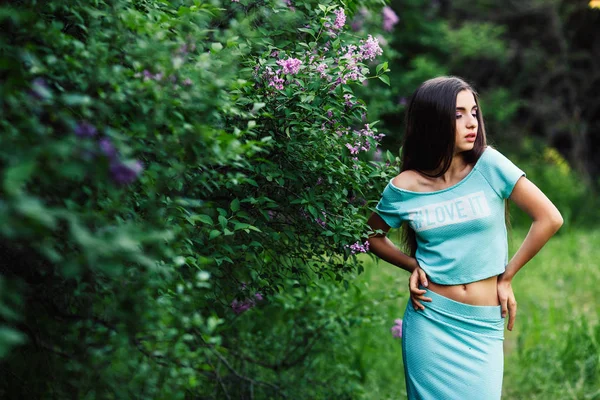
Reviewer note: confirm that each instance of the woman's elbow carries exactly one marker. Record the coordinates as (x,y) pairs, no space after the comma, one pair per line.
(556,220)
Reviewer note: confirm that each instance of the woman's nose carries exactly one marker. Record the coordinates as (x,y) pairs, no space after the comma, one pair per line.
(472,123)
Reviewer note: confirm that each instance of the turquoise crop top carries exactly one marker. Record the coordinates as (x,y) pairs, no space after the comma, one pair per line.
(460,231)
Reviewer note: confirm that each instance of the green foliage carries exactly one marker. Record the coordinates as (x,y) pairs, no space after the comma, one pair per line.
(548,170)
(156,192)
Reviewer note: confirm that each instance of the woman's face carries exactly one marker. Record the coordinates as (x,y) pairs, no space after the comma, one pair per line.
(466,121)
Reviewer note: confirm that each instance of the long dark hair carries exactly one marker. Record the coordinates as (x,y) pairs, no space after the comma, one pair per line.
(430,134)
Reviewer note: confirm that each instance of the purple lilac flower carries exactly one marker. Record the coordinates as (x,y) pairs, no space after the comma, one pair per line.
(357,247)
(259,296)
(321,69)
(239,307)
(187,82)
(402,101)
(125,173)
(353,149)
(107,148)
(348,98)
(183,49)
(378,155)
(340,19)
(147,74)
(290,5)
(85,129)
(275,80)
(389,18)
(397,328)
(361,144)
(290,65)
(322,221)
(370,49)
(356,24)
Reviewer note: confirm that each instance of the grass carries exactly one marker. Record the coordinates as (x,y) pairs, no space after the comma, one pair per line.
(553,351)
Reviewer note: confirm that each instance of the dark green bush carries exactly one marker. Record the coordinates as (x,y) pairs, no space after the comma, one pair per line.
(155,188)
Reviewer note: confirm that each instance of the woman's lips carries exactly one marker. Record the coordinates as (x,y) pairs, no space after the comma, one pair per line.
(471,137)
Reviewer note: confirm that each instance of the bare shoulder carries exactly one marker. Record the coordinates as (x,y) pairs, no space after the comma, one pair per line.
(407,180)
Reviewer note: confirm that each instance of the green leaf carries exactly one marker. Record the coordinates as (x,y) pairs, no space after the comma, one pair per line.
(16,176)
(74,99)
(385,79)
(203,218)
(8,339)
(381,66)
(309,31)
(213,234)
(235,205)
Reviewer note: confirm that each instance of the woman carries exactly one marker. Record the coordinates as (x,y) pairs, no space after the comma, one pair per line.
(450,197)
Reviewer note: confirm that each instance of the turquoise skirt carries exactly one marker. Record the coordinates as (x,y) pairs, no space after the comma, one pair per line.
(452,350)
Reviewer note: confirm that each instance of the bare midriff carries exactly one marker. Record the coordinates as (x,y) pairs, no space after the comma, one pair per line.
(480,293)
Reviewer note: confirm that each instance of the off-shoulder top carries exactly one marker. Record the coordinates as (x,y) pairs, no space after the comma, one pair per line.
(460,231)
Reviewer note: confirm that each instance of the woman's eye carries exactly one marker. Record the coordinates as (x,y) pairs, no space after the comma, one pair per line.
(474,114)
(458,116)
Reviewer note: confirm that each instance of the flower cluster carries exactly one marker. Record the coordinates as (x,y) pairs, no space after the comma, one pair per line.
(397,328)
(85,129)
(338,24)
(319,221)
(340,19)
(389,19)
(274,78)
(358,247)
(239,307)
(369,49)
(290,65)
(348,100)
(347,62)
(362,143)
(388,15)
(322,221)
(321,69)
(122,172)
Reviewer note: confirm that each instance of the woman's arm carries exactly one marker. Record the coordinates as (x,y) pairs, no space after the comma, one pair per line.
(383,247)
(546,221)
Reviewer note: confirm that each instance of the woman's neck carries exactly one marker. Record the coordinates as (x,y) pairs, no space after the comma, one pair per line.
(456,170)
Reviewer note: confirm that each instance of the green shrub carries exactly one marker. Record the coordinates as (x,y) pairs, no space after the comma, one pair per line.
(154,187)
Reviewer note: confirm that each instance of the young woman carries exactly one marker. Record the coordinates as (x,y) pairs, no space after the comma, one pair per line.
(450,198)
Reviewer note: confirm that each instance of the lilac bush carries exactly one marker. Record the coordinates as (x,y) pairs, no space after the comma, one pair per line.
(198,154)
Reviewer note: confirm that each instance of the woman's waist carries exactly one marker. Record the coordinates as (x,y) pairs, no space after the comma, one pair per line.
(479,293)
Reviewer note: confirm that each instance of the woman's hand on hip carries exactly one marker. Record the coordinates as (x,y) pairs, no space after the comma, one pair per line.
(507,300)
(416,294)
